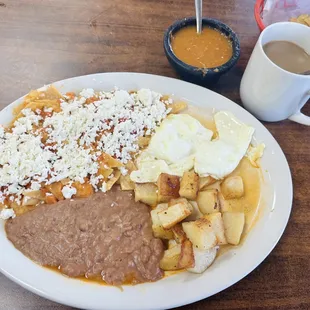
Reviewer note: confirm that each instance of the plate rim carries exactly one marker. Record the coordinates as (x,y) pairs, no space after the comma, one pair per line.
(189,300)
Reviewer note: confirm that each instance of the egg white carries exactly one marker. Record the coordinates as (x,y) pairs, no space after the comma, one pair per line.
(181,143)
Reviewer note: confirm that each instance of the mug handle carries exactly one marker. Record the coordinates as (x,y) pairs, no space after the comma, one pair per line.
(299,117)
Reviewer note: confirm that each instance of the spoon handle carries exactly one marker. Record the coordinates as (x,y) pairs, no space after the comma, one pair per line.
(198,7)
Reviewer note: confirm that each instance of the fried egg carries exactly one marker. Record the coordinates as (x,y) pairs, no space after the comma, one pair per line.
(182,143)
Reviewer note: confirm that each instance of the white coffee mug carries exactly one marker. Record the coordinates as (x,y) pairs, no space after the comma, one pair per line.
(269,92)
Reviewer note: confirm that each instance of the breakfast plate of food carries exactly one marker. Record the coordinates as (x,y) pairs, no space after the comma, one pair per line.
(135,191)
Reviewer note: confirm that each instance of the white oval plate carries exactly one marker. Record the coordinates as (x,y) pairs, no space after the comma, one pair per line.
(183,288)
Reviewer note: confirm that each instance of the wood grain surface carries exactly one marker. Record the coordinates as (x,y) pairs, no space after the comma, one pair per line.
(42,41)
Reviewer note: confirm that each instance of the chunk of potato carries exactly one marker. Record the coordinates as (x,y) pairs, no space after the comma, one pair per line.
(200,233)
(203,259)
(233,225)
(175,214)
(186,259)
(189,185)
(208,201)
(168,187)
(158,229)
(179,234)
(218,226)
(232,187)
(170,259)
(205,182)
(147,193)
(196,214)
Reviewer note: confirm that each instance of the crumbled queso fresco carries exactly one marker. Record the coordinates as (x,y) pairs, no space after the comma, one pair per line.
(114,121)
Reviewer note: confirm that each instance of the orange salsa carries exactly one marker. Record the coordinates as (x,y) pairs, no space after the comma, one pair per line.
(209,49)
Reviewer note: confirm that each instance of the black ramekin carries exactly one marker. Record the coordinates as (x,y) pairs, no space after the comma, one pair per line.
(202,76)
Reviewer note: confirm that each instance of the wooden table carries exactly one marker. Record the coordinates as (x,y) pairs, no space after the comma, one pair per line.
(42,41)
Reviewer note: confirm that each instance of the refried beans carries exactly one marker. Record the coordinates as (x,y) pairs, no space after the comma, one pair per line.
(106,235)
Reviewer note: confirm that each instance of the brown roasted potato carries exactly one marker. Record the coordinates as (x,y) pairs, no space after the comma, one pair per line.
(186,259)
(208,201)
(217,226)
(200,233)
(168,187)
(232,187)
(147,193)
(157,227)
(205,182)
(233,225)
(189,185)
(175,213)
(170,259)
(179,234)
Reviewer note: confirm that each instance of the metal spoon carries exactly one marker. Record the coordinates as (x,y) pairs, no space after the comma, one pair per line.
(198,7)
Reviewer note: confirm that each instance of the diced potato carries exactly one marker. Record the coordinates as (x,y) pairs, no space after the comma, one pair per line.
(196,214)
(189,185)
(208,201)
(179,234)
(170,259)
(233,225)
(203,259)
(200,233)
(83,190)
(55,189)
(225,206)
(175,214)
(126,183)
(232,187)
(146,193)
(177,107)
(168,187)
(186,259)
(157,227)
(218,226)
(205,182)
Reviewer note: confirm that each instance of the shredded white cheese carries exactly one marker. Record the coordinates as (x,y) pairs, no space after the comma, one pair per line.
(72,148)
(6,214)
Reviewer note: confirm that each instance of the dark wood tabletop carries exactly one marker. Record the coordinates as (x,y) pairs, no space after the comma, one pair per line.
(42,41)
